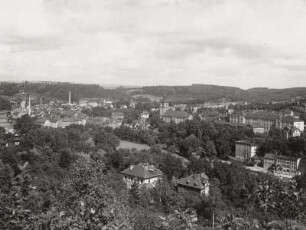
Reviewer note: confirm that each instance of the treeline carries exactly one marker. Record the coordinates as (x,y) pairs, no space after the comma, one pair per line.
(205,139)
(203,92)
(60,90)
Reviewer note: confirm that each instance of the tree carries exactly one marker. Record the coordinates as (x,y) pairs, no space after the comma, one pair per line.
(5,104)
(65,158)
(25,124)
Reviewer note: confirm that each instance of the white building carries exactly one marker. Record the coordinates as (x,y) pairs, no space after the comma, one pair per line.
(143,174)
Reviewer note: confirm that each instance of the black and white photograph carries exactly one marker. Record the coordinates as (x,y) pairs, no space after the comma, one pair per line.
(152,114)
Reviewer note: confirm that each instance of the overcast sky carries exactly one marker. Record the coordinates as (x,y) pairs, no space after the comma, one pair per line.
(244,43)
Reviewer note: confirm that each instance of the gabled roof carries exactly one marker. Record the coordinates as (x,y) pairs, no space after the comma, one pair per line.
(196,181)
(270,156)
(176,114)
(143,171)
(245,142)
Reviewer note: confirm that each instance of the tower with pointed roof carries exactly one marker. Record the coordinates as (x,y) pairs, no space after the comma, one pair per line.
(164,105)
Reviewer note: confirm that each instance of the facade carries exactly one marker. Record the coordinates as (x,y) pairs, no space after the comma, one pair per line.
(237,118)
(255,119)
(197,183)
(143,174)
(245,151)
(284,166)
(258,129)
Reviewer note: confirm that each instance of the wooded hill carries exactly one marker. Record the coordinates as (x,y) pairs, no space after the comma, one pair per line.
(215,92)
(197,93)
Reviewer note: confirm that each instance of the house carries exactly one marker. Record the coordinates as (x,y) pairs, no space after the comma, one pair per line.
(51,123)
(143,174)
(245,150)
(284,166)
(144,115)
(295,132)
(117,115)
(64,122)
(176,116)
(47,122)
(258,129)
(100,121)
(198,183)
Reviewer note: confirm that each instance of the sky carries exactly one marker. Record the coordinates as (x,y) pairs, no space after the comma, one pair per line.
(242,43)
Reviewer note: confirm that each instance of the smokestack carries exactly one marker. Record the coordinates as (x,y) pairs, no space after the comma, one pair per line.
(29,112)
(69,97)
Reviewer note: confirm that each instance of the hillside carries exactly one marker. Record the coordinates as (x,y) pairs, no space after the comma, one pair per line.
(213,92)
(196,93)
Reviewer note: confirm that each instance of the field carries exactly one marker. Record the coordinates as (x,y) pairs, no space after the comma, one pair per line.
(132,145)
(150,97)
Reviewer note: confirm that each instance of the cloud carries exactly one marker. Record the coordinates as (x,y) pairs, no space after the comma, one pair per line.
(235,42)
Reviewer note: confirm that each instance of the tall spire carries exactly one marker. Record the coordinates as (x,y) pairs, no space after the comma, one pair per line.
(69,97)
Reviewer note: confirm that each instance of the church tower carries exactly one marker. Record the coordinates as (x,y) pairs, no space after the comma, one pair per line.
(164,105)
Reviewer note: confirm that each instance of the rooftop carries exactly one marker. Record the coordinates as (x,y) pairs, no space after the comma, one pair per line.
(261,116)
(176,114)
(196,181)
(143,171)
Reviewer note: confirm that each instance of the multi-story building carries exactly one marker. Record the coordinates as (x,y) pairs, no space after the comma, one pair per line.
(283,166)
(245,150)
(237,118)
(197,183)
(256,119)
(143,174)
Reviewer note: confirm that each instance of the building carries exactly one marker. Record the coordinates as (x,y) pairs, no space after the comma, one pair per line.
(263,119)
(117,115)
(245,150)
(237,118)
(197,183)
(144,115)
(295,132)
(283,166)
(290,122)
(143,174)
(176,116)
(258,129)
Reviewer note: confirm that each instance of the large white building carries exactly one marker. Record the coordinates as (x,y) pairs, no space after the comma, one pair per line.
(245,150)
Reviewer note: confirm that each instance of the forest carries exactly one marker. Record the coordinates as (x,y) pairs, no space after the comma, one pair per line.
(70,179)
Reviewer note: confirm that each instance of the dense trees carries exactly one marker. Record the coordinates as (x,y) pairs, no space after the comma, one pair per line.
(4,104)
(70,178)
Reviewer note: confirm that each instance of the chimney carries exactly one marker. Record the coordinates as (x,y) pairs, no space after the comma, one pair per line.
(69,97)
(29,111)
(131,167)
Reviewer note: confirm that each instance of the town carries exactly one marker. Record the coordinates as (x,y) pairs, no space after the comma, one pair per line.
(207,159)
